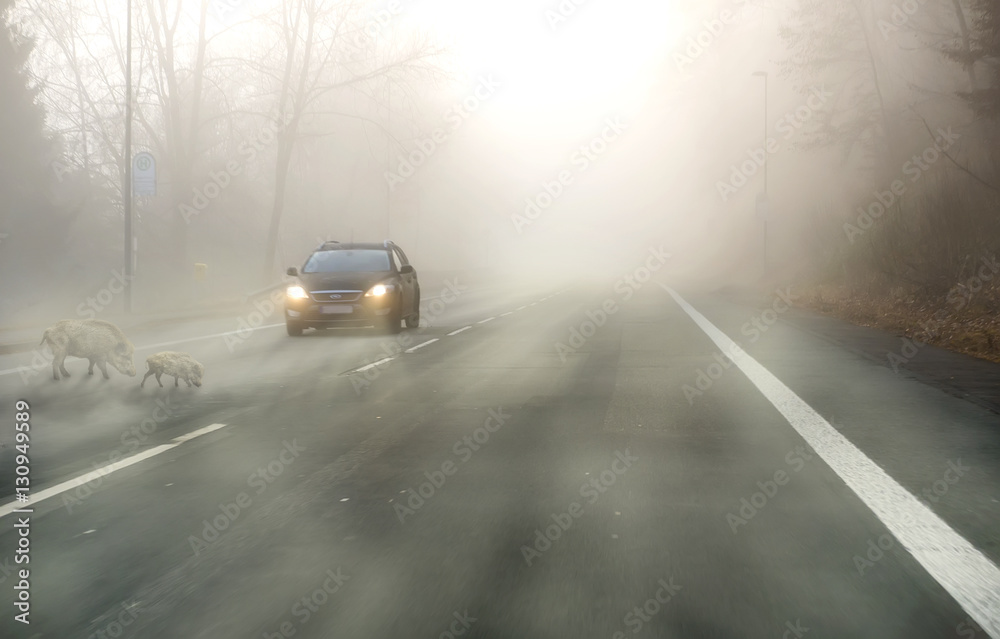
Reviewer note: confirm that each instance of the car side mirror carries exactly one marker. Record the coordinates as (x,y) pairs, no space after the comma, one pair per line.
(406,269)
(294,272)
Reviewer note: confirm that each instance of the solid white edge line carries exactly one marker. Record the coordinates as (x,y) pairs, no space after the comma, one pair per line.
(195,339)
(488,319)
(11,371)
(103,471)
(965,572)
(419,346)
(461,330)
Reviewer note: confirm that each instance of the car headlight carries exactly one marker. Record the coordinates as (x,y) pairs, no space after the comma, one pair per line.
(379,290)
(297,292)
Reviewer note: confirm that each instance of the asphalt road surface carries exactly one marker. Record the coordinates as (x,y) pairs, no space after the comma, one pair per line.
(582,461)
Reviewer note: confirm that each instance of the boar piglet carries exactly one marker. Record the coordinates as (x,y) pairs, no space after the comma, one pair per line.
(178,365)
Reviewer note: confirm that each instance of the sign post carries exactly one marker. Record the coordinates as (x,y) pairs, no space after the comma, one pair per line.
(144,174)
(200,283)
(763,212)
(127,181)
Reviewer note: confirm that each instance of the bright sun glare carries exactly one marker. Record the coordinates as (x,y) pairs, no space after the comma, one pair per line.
(599,57)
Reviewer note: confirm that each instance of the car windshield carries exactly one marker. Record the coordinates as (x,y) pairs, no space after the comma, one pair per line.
(342,260)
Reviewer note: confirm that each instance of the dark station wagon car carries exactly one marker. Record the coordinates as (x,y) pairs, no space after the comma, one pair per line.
(353,284)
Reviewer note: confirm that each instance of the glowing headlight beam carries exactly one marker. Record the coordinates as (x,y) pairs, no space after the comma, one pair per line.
(378,291)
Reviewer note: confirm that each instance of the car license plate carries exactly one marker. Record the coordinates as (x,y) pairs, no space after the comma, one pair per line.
(335,309)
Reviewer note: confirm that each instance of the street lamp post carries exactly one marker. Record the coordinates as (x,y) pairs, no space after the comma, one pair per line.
(127,186)
(765,205)
(388,162)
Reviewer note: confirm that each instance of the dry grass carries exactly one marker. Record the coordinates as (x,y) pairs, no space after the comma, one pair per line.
(973,329)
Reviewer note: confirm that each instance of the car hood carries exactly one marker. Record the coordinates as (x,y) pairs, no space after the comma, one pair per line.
(357,281)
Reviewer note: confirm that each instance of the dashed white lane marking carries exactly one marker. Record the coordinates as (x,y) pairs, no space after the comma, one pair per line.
(419,346)
(11,371)
(966,573)
(197,433)
(104,471)
(149,347)
(362,369)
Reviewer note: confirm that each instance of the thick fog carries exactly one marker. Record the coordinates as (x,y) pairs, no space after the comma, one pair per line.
(556,140)
(681,317)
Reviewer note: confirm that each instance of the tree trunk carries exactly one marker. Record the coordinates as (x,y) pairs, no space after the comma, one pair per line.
(963,29)
(876,79)
(286,138)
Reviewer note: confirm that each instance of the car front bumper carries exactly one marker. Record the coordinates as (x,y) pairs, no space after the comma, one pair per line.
(363,312)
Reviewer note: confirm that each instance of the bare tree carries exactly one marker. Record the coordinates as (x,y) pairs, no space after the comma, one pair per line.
(321,41)
(835,41)
(312,65)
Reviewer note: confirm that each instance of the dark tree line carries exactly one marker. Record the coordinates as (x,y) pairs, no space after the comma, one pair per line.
(46,208)
(985,51)
(254,123)
(903,74)
(26,146)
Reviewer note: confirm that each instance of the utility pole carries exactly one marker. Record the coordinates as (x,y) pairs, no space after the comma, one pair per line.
(127,186)
(388,162)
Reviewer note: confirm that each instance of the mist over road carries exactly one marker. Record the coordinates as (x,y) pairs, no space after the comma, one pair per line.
(688,319)
(536,461)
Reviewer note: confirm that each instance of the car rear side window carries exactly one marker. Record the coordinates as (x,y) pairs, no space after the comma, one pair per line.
(349,261)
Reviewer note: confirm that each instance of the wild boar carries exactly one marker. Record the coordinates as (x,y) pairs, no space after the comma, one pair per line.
(96,340)
(179,365)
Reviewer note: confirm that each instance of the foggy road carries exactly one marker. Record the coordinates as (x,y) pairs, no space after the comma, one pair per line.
(581,461)
(686,319)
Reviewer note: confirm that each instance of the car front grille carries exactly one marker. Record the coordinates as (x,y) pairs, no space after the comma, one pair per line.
(335,296)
